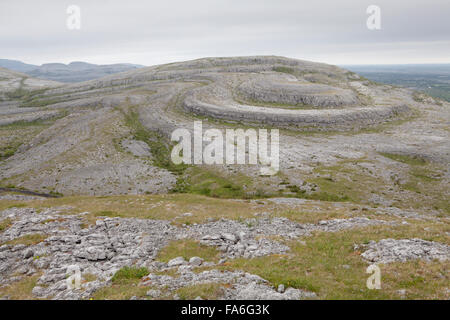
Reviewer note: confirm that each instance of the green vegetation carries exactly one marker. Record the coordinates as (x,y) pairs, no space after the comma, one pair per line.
(285,70)
(169,207)
(13,135)
(125,284)
(328,265)
(20,290)
(129,273)
(30,98)
(325,263)
(38,102)
(28,240)
(9,150)
(107,213)
(428,186)
(408,159)
(208,182)
(89,277)
(331,193)
(424,179)
(160,148)
(24,94)
(282,105)
(342,182)
(5,224)
(187,249)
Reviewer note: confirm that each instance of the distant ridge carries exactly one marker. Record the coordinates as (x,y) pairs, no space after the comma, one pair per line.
(76,71)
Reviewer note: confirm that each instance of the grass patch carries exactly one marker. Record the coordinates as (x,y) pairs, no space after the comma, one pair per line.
(211,182)
(107,213)
(428,187)
(13,135)
(28,240)
(122,291)
(9,150)
(125,284)
(208,291)
(5,224)
(325,196)
(318,266)
(20,290)
(166,207)
(160,147)
(203,181)
(282,69)
(342,182)
(173,206)
(129,273)
(39,102)
(408,159)
(89,277)
(7,204)
(188,249)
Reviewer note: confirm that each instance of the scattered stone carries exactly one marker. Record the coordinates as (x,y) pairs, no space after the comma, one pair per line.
(195,261)
(258,291)
(113,243)
(391,250)
(153,293)
(28,254)
(178,261)
(136,147)
(243,285)
(401,292)
(184,269)
(229,237)
(38,292)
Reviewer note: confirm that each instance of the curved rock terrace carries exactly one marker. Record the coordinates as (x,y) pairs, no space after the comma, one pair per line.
(86,180)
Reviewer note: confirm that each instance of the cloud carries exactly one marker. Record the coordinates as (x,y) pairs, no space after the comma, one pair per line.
(151,32)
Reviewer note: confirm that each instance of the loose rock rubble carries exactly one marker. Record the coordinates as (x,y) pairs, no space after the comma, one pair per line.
(18,197)
(391,250)
(100,249)
(244,286)
(237,239)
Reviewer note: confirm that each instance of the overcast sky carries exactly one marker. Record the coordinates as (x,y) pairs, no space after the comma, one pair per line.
(153,32)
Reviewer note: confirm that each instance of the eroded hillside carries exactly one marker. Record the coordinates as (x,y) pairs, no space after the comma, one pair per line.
(364,178)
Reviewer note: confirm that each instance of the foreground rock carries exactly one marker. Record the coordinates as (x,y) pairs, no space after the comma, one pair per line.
(48,242)
(243,286)
(391,250)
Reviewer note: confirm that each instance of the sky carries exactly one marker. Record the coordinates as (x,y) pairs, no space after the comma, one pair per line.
(154,32)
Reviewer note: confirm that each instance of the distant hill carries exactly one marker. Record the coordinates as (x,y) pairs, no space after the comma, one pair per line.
(73,72)
(17,65)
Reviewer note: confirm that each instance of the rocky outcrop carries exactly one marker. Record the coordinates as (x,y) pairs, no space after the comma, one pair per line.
(392,250)
(103,248)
